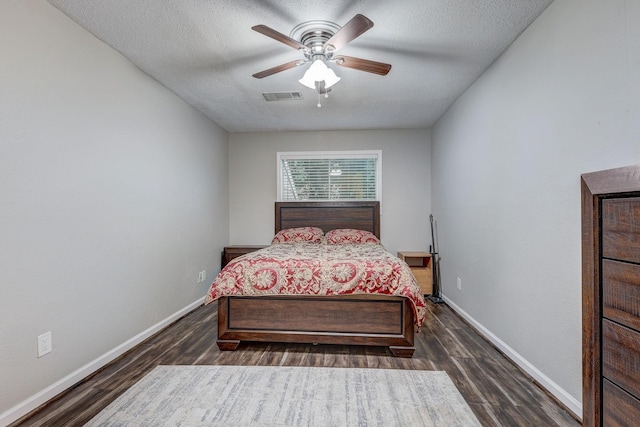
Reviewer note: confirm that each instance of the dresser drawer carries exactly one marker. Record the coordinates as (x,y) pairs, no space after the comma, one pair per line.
(621,356)
(621,229)
(621,292)
(619,408)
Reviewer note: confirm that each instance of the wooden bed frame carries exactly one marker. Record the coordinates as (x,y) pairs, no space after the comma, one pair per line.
(373,320)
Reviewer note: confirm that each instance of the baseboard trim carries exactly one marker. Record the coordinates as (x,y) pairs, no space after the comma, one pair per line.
(558,392)
(23,408)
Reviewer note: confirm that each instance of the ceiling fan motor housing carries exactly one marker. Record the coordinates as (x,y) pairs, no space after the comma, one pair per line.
(313,35)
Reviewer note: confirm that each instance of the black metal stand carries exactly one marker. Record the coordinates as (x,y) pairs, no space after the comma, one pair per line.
(435,295)
(434,299)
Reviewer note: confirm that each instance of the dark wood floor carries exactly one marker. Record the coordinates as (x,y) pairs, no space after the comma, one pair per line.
(498,392)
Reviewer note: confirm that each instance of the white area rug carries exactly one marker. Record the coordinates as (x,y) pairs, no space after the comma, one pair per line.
(288,396)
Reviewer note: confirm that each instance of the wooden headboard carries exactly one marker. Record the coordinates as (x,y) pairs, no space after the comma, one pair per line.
(363,215)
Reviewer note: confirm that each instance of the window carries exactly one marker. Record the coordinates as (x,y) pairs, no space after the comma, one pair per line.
(335,175)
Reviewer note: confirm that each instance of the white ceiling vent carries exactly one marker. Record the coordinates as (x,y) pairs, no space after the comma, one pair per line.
(282,96)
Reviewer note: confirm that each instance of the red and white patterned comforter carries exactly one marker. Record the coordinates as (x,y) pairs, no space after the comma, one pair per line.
(319,269)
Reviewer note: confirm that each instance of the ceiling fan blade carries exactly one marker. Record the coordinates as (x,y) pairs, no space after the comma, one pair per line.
(352,29)
(277,69)
(363,65)
(269,32)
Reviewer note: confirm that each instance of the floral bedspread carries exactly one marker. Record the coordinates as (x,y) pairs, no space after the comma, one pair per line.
(319,269)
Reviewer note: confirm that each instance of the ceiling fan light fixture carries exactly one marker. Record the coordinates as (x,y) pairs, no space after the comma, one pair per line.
(330,79)
(317,72)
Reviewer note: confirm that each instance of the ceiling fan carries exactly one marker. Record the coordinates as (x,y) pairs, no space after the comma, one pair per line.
(319,41)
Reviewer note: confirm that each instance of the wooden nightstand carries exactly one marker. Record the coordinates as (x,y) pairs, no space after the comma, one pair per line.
(231,252)
(420,263)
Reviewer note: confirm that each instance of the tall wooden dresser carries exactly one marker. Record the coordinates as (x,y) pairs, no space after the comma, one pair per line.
(611,297)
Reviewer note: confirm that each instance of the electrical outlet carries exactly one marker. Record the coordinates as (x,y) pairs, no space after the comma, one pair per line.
(459,284)
(44,344)
(202,276)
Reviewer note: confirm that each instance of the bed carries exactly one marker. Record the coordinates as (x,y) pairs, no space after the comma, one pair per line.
(372,313)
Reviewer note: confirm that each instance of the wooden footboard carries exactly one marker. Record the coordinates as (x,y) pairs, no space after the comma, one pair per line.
(354,320)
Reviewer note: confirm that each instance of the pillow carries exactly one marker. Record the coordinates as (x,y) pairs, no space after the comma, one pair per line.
(298,235)
(349,235)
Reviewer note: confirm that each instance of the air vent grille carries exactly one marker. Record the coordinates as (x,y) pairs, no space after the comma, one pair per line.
(282,96)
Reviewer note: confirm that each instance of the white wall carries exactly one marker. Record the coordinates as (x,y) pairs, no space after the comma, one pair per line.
(507,157)
(406,188)
(112,190)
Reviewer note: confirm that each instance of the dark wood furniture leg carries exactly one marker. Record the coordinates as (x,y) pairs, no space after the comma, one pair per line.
(228,345)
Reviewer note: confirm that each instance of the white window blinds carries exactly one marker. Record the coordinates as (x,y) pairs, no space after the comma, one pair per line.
(347,175)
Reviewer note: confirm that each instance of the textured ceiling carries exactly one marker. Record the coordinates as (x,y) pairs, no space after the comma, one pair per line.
(206,52)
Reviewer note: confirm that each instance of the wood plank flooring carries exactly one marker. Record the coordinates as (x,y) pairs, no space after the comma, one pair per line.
(495,389)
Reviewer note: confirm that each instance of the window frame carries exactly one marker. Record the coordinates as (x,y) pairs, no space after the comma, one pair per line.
(329,155)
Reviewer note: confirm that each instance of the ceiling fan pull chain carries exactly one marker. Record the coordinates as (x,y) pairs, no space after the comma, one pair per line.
(319,105)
